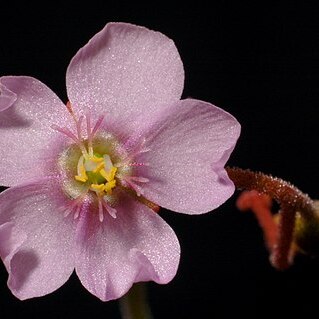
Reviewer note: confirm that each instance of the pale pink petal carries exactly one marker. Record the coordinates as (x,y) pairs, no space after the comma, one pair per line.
(7,97)
(188,147)
(135,246)
(125,71)
(25,130)
(10,242)
(37,242)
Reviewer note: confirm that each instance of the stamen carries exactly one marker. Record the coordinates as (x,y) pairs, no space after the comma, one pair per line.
(109,186)
(98,188)
(109,175)
(96,159)
(81,179)
(109,171)
(91,163)
(98,167)
(98,171)
(82,176)
(107,162)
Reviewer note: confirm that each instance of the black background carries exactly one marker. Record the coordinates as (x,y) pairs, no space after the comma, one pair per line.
(257,60)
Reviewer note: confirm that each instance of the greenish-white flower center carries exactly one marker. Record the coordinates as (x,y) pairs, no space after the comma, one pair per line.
(98,168)
(98,171)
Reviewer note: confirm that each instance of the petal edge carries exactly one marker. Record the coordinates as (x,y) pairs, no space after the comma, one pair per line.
(125,71)
(189,143)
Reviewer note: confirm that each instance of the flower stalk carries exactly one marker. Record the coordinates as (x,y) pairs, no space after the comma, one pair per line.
(134,304)
(278,189)
(282,237)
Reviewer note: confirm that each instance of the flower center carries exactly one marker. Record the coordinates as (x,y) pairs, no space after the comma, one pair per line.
(98,171)
(98,168)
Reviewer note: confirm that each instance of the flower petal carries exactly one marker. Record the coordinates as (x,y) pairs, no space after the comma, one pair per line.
(25,128)
(7,97)
(135,246)
(189,146)
(125,70)
(37,244)
(10,242)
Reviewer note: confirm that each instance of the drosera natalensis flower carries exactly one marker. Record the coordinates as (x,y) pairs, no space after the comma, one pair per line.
(85,179)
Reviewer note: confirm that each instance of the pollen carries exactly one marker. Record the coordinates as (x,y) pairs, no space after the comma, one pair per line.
(109,186)
(98,167)
(109,175)
(98,188)
(98,172)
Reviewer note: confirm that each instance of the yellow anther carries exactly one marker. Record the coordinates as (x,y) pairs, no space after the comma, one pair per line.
(92,163)
(99,172)
(80,179)
(109,186)
(98,167)
(109,176)
(113,172)
(96,159)
(103,173)
(99,188)
(82,176)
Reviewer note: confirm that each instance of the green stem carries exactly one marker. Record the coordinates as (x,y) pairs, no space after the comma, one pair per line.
(134,304)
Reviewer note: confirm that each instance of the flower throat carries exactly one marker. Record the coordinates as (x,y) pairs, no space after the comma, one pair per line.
(100,167)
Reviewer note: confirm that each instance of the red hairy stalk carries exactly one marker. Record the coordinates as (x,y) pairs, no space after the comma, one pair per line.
(260,204)
(291,201)
(281,191)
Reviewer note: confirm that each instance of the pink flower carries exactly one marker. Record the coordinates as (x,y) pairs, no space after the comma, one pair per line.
(85,179)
